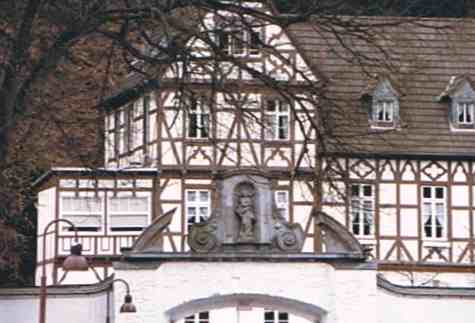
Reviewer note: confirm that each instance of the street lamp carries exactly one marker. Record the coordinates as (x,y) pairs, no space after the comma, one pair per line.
(74,262)
(128,306)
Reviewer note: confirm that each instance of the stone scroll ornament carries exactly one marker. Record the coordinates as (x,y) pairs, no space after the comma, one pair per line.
(288,237)
(202,237)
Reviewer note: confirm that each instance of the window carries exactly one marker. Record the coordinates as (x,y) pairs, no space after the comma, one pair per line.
(282,203)
(128,212)
(464,113)
(85,211)
(381,99)
(129,128)
(241,41)
(271,316)
(202,317)
(277,116)
(198,120)
(384,111)
(197,206)
(362,206)
(434,209)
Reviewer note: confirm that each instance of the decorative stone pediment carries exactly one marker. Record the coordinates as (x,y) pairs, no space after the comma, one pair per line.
(246,220)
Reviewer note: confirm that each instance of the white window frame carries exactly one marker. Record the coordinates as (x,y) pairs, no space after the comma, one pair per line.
(128,194)
(201,317)
(276,316)
(65,229)
(202,113)
(362,205)
(467,111)
(241,36)
(282,205)
(385,108)
(197,205)
(274,117)
(430,208)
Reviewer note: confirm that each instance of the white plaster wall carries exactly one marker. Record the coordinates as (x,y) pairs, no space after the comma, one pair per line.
(74,309)
(402,309)
(347,296)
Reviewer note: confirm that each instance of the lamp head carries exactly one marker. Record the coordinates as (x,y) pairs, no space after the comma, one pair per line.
(76,261)
(128,306)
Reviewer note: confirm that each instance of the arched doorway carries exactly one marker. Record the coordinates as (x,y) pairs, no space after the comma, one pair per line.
(246,302)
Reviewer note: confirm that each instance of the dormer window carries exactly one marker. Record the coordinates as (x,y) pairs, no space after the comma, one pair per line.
(460,97)
(382,101)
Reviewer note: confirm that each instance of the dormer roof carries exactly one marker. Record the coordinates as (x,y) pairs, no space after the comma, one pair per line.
(455,85)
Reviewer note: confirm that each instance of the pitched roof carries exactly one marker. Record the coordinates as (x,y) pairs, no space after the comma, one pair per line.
(423,55)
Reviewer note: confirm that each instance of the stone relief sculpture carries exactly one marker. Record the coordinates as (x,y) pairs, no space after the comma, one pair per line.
(245,210)
(246,220)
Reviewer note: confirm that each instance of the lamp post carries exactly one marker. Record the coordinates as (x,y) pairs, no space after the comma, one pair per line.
(74,262)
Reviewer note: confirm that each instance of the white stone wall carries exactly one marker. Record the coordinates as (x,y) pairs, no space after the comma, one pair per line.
(59,309)
(403,309)
(346,296)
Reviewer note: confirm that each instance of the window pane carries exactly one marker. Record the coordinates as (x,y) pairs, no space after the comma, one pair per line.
(205,126)
(204,196)
(427,192)
(283,316)
(281,197)
(191,212)
(439,192)
(283,127)
(355,190)
(203,212)
(193,125)
(269,316)
(204,315)
(367,190)
(191,196)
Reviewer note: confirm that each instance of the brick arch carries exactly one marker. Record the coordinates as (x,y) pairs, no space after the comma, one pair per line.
(312,313)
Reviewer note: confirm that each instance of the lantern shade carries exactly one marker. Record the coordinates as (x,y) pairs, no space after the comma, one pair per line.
(76,261)
(128,306)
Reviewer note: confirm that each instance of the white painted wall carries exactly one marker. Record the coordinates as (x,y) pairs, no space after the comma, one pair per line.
(345,295)
(59,309)
(400,309)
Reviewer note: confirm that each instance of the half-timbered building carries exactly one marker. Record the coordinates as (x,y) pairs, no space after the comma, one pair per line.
(393,168)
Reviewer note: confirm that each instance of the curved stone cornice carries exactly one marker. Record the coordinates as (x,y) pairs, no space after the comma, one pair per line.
(424,291)
(335,237)
(151,239)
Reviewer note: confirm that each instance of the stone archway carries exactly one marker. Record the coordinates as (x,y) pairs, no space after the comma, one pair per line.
(310,312)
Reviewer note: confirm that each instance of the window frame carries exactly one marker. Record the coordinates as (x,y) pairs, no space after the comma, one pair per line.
(125,194)
(198,318)
(433,201)
(463,125)
(361,199)
(276,316)
(66,229)
(385,105)
(198,109)
(272,120)
(250,40)
(282,207)
(198,204)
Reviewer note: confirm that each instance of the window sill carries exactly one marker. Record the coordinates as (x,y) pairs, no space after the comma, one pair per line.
(442,243)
